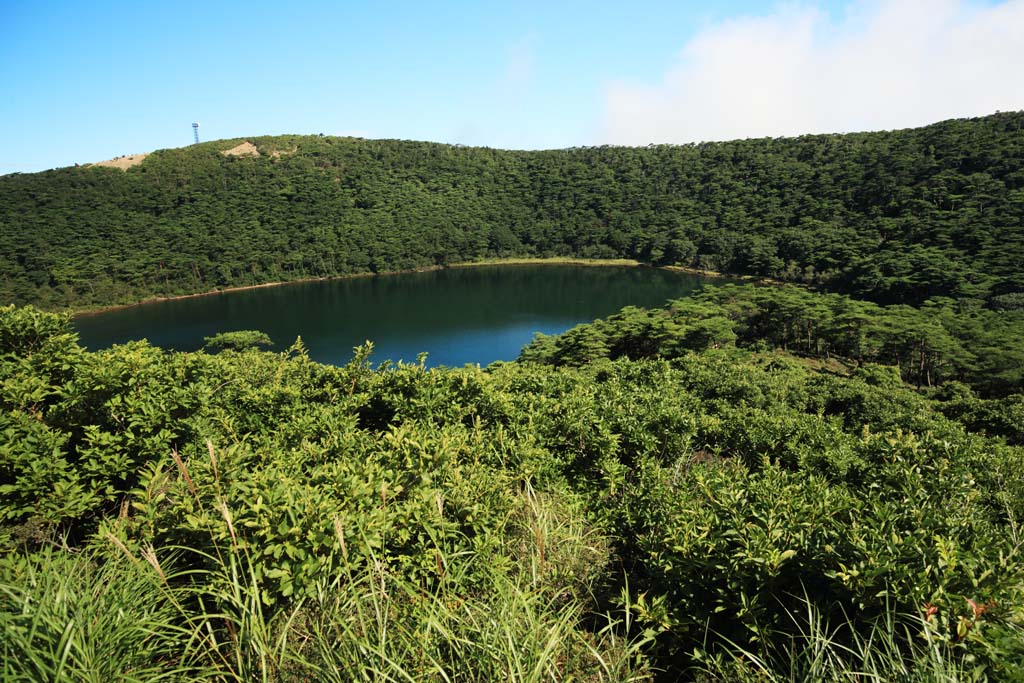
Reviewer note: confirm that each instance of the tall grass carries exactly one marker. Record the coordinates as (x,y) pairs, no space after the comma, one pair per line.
(243,639)
(91,617)
(120,613)
(378,627)
(111,613)
(893,649)
(372,623)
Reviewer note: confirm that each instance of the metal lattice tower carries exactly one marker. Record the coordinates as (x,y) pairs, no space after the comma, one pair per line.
(195,132)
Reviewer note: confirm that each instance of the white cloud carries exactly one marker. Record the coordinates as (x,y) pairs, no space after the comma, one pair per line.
(884,64)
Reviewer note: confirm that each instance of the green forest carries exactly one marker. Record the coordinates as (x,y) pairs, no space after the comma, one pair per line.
(814,478)
(893,217)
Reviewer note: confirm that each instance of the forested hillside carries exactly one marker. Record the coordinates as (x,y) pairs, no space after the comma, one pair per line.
(896,217)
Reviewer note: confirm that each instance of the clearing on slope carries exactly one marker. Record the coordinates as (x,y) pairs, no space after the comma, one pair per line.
(123,162)
(246,149)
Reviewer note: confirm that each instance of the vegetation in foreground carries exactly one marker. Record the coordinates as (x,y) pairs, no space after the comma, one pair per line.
(717,491)
(894,217)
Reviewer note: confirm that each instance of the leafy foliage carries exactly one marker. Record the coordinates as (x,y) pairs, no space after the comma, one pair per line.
(523,521)
(237,340)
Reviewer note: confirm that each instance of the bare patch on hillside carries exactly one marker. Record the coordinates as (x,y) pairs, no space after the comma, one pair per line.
(246,149)
(278,153)
(123,162)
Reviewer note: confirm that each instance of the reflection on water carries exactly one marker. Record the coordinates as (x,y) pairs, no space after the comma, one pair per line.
(458,316)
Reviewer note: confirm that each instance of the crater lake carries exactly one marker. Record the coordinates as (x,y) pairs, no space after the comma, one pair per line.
(465,315)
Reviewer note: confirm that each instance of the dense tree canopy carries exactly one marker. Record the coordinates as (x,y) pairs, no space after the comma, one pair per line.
(896,217)
(929,345)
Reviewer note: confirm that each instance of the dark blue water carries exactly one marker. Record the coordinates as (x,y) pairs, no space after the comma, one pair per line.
(458,316)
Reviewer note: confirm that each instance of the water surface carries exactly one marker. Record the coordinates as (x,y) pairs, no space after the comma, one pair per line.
(458,316)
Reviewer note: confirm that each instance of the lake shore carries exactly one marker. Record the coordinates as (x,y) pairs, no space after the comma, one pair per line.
(521,261)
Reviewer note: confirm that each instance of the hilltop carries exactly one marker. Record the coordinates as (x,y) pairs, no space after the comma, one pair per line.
(896,217)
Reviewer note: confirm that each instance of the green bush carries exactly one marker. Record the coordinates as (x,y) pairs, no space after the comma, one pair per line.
(526,521)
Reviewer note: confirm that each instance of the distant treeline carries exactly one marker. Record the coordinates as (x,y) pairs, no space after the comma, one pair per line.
(895,217)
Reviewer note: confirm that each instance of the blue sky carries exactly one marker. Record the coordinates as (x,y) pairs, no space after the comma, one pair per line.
(87,81)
